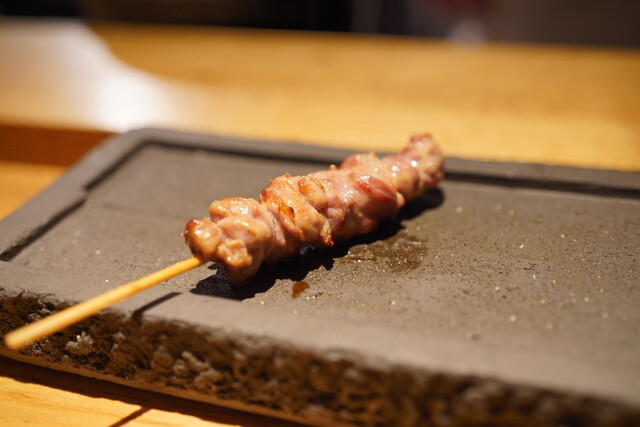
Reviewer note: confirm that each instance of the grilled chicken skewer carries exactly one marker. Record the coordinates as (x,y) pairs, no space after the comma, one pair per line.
(318,209)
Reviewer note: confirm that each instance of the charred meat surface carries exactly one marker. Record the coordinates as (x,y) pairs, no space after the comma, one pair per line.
(317,209)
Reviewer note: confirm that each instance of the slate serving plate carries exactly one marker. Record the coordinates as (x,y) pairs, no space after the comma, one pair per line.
(508,295)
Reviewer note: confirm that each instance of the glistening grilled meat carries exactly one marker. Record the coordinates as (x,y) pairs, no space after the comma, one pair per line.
(319,209)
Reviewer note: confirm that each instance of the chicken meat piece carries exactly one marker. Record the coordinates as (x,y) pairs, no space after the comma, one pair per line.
(318,209)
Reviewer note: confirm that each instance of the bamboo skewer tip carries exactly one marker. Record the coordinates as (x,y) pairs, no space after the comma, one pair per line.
(20,337)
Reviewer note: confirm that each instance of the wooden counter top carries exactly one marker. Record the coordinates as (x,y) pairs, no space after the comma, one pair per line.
(559,105)
(66,85)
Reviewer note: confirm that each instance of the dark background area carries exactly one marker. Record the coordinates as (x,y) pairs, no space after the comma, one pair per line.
(599,22)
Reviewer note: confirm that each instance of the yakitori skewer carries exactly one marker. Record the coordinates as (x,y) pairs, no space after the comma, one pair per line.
(316,209)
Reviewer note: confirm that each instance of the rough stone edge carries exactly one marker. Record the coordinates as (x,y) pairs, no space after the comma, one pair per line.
(284,379)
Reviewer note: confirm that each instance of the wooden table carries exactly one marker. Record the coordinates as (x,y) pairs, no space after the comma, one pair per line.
(65,86)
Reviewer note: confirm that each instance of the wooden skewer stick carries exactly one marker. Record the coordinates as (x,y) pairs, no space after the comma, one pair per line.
(60,320)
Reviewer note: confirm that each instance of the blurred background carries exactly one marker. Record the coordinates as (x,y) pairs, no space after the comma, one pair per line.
(595,22)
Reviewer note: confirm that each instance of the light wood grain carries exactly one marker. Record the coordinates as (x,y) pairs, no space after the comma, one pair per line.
(559,105)
(35,396)
(47,144)
(65,86)
(575,106)
(21,181)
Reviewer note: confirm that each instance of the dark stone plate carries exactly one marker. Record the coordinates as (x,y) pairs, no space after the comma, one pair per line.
(509,295)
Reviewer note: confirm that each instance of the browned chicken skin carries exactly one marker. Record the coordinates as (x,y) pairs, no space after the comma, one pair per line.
(318,209)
